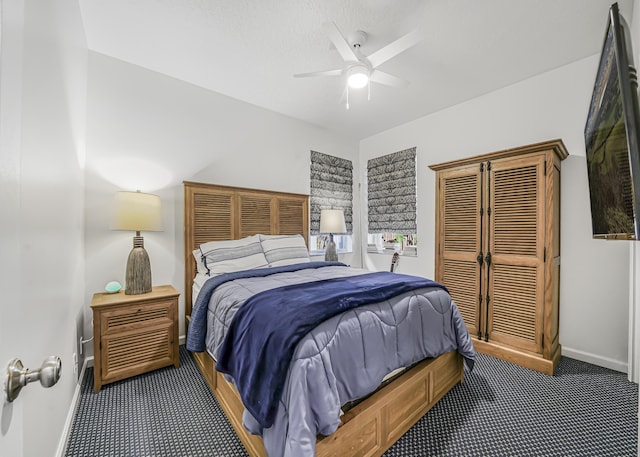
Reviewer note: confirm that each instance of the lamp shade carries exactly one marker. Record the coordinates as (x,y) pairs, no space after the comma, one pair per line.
(137,211)
(332,221)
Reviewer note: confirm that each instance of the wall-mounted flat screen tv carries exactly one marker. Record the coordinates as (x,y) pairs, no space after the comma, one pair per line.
(611,138)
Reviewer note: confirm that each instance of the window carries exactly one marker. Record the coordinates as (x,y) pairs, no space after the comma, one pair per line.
(331,188)
(317,244)
(392,242)
(391,190)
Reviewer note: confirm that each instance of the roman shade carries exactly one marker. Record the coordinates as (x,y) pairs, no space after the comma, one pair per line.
(331,188)
(391,181)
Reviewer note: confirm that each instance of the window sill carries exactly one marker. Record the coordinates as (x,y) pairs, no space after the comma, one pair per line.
(316,253)
(414,253)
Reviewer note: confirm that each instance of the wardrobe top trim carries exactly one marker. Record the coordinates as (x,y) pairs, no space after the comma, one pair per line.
(556,146)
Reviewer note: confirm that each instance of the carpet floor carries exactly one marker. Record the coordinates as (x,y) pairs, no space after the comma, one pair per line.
(500,410)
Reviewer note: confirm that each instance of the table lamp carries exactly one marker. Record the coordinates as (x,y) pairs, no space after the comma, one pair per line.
(137,211)
(332,221)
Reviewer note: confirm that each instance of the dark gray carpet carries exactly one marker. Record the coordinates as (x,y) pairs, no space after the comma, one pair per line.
(500,410)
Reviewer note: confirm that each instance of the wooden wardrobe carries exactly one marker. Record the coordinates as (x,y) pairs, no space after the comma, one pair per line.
(498,249)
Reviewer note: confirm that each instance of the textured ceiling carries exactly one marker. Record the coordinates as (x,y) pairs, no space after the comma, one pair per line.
(249,50)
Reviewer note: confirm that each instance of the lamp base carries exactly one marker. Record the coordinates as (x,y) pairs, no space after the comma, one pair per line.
(330,254)
(138,274)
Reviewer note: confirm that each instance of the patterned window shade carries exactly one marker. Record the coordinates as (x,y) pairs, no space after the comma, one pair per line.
(331,188)
(391,181)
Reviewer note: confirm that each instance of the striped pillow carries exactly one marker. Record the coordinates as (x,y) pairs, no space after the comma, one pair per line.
(284,249)
(233,255)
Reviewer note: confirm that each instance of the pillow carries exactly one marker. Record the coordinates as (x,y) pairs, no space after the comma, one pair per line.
(233,255)
(284,249)
(202,268)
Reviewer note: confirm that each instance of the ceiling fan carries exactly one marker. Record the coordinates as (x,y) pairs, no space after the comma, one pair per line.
(362,70)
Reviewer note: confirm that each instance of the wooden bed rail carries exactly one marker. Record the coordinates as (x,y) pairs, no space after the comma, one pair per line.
(372,426)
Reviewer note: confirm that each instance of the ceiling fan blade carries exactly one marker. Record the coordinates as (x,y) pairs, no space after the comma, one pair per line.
(337,72)
(341,44)
(394,48)
(381,77)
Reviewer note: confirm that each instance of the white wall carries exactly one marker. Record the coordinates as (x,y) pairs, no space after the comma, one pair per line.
(634,255)
(634,252)
(594,287)
(151,132)
(49,110)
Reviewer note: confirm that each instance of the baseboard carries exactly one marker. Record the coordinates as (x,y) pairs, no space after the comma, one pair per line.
(64,437)
(601,361)
(182,340)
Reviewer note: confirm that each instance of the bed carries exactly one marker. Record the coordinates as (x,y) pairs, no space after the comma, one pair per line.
(217,215)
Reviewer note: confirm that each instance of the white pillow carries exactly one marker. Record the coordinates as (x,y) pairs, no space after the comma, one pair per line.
(233,255)
(284,249)
(200,262)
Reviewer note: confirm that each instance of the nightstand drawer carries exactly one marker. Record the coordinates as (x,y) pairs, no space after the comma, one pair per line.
(136,317)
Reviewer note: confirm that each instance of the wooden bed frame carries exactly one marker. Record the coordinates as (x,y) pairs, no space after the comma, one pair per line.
(214,212)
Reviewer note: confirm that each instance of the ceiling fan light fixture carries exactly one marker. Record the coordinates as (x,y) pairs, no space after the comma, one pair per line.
(358,76)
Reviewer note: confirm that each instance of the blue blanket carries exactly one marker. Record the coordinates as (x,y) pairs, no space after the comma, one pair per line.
(265,331)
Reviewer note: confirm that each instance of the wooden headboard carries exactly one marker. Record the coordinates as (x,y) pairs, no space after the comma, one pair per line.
(214,213)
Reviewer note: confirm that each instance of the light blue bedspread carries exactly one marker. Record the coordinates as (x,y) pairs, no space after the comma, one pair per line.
(343,358)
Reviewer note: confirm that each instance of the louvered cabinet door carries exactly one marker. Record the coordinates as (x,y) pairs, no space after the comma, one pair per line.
(516,192)
(145,346)
(459,240)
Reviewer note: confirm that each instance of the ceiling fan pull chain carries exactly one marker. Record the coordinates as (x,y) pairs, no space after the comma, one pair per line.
(347,96)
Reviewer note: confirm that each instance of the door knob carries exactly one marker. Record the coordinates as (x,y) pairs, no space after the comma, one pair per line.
(18,376)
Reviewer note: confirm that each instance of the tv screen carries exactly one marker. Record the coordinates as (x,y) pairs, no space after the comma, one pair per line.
(611,138)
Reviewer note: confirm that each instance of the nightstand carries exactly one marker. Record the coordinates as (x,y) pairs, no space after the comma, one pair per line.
(134,334)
